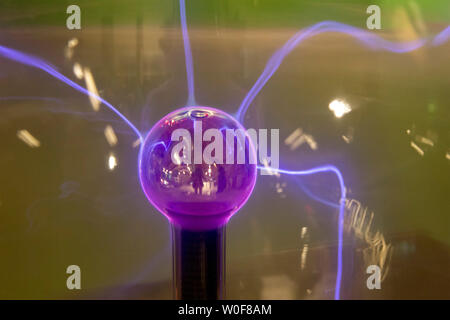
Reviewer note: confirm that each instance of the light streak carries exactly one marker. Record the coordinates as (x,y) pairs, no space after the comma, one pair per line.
(298,137)
(78,71)
(112,162)
(28,138)
(71,44)
(90,85)
(425,140)
(136,143)
(293,136)
(110,135)
(347,139)
(417,148)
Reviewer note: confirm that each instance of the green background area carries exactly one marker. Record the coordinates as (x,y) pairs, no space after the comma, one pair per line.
(231,13)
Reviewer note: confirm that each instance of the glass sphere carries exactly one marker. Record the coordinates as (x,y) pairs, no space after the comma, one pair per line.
(197,181)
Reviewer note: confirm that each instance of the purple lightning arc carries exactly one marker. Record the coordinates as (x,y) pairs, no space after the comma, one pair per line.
(35,62)
(368,39)
(187,56)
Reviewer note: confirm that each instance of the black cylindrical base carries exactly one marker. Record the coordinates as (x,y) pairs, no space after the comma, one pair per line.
(198,264)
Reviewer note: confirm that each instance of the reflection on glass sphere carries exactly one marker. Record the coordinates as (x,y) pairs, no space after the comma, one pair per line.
(193,190)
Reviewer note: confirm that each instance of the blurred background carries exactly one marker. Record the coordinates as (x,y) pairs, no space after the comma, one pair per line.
(69,191)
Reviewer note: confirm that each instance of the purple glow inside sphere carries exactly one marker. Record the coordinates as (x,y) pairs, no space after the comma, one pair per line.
(197,166)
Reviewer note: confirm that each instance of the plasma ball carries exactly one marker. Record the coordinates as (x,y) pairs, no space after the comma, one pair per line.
(181,183)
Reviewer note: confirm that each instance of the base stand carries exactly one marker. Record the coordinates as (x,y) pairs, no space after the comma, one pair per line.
(198,264)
